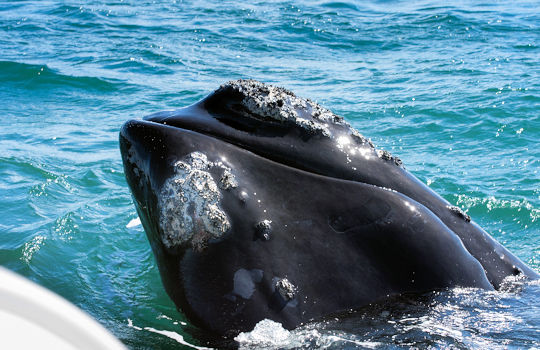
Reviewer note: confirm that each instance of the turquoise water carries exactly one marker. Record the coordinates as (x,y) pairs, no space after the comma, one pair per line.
(453,90)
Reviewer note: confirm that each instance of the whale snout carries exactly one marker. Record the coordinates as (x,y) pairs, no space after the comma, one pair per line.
(176,188)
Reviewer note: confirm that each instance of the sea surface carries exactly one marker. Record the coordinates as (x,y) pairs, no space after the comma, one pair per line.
(451,87)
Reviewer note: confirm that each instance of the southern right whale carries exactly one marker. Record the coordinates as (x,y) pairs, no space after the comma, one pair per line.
(260,204)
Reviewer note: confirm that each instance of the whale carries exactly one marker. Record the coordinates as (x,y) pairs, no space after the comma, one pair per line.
(260,204)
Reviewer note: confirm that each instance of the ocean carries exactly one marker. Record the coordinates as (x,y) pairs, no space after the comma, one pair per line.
(452,88)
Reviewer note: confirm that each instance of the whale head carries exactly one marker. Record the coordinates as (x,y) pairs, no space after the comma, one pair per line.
(271,122)
(260,204)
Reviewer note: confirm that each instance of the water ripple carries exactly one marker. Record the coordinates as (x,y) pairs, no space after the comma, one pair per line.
(453,89)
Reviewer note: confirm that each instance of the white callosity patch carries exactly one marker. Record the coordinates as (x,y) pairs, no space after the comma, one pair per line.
(285,288)
(263,229)
(227,180)
(457,210)
(189,202)
(388,156)
(275,103)
(278,104)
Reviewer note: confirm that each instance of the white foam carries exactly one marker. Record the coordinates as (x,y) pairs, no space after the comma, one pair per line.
(134,223)
(169,334)
(266,333)
(363,344)
(175,336)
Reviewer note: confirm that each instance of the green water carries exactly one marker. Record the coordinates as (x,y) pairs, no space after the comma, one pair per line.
(452,89)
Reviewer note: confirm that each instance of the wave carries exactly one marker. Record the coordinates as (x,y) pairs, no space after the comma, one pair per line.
(36,76)
(454,318)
